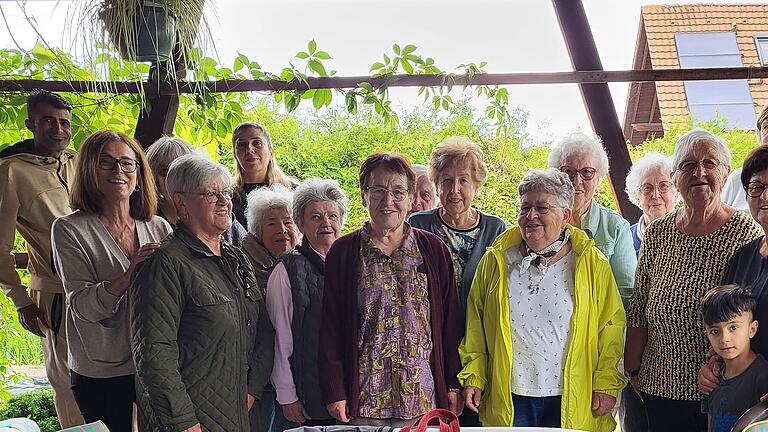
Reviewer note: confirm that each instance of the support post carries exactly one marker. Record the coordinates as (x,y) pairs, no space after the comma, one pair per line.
(158,116)
(597,99)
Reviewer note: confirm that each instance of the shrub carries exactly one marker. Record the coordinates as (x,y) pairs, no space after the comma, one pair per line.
(36,405)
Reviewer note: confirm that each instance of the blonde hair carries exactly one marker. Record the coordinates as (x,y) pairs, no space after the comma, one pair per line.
(454,150)
(275,174)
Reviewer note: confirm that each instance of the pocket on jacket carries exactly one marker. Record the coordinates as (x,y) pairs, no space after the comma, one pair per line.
(607,248)
(205,296)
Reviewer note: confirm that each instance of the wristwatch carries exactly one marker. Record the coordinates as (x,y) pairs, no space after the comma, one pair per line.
(455,390)
(631,374)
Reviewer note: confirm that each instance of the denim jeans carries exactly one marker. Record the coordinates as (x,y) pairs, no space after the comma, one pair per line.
(536,411)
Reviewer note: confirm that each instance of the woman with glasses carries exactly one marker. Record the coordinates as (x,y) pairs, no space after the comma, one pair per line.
(583,158)
(201,338)
(649,186)
(545,324)
(748,265)
(96,251)
(684,254)
(391,321)
(160,155)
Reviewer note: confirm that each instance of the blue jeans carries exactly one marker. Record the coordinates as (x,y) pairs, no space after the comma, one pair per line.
(536,411)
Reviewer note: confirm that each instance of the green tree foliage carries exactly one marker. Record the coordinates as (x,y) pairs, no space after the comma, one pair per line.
(35,405)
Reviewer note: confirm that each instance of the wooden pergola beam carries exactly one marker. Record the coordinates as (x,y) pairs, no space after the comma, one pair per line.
(597,99)
(244,85)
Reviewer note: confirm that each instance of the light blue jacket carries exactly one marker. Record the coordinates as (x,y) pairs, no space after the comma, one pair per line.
(612,237)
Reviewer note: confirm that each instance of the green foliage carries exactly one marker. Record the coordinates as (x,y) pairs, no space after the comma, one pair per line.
(36,405)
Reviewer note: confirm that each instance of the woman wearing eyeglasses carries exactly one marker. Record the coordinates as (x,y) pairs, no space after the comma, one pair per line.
(200,334)
(96,250)
(684,254)
(649,186)
(545,324)
(391,321)
(583,158)
(749,266)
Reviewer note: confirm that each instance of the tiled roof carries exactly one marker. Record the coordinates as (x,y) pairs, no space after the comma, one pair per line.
(661,22)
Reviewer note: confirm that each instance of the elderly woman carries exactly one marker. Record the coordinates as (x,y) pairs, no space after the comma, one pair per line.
(583,158)
(295,302)
(456,166)
(650,187)
(202,340)
(96,250)
(424,197)
(684,254)
(391,321)
(256,165)
(160,155)
(747,266)
(544,321)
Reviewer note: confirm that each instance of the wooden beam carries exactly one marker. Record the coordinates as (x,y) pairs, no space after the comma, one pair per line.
(158,116)
(648,127)
(243,85)
(597,99)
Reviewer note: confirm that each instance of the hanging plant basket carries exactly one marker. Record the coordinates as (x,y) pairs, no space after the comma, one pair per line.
(145,32)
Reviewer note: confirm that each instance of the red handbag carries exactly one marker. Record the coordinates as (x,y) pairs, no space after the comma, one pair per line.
(447,421)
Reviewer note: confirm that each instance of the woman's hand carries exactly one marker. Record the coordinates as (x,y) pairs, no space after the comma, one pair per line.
(472,396)
(708,375)
(338,410)
(602,403)
(195,428)
(118,286)
(455,402)
(251,400)
(295,412)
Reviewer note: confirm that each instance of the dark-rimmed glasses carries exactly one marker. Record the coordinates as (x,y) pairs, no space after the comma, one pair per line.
(108,163)
(380,193)
(587,173)
(755,188)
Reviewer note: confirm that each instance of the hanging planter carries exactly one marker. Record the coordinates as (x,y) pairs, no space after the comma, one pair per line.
(147,35)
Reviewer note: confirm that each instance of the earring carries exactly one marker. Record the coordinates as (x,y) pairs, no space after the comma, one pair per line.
(138,188)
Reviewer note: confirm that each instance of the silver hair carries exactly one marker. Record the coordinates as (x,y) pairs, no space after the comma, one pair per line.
(420,170)
(192,172)
(316,189)
(579,143)
(263,199)
(644,166)
(165,150)
(685,144)
(551,181)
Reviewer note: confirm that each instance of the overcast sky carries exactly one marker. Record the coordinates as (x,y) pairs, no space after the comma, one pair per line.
(511,35)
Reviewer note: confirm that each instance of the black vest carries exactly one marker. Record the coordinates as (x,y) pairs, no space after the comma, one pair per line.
(306,274)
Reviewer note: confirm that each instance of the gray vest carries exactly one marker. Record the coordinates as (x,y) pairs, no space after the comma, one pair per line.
(307,282)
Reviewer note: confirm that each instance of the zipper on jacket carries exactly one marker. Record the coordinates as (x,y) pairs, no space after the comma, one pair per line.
(58,172)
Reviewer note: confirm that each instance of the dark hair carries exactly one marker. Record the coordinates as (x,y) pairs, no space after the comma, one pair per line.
(389,161)
(763,116)
(755,162)
(85,191)
(724,302)
(38,97)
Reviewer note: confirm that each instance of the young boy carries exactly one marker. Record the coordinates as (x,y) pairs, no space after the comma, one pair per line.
(729,325)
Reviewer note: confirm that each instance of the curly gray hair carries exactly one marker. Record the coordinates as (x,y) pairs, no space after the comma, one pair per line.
(647,164)
(551,181)
(579,143)
(263,199)
(316,189)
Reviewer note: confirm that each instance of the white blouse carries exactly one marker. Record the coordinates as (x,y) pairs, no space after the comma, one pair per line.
(540,309)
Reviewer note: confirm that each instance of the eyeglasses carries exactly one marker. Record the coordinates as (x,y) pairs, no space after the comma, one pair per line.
(587,173)
(380,193)
(648,189)
(127,164)
(755,188)
(214,196)
(691,165)
(540,209)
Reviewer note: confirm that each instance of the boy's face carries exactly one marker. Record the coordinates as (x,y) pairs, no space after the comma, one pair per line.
(730,339)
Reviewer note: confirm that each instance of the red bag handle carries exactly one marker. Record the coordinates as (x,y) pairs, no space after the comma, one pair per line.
(439,414)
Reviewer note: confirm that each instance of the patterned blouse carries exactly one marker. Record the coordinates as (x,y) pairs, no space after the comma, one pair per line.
(395,341)
(460,242)
(673,273)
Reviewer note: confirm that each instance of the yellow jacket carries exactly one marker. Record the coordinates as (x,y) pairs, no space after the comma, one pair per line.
(595,347)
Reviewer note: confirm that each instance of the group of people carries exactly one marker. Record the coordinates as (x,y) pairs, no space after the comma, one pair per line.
(159,281)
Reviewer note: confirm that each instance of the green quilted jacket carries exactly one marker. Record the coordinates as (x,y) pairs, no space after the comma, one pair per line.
(201,337)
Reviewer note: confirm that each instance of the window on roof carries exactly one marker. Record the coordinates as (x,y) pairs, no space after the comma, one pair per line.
(761,43)
(708,100)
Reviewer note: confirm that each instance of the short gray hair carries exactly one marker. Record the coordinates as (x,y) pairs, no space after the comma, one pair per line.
(192,172)
(316,189)
(420,170)
(263,199)
(579,143)
(685,144)
(165,150)
(551,181)
(647,164)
